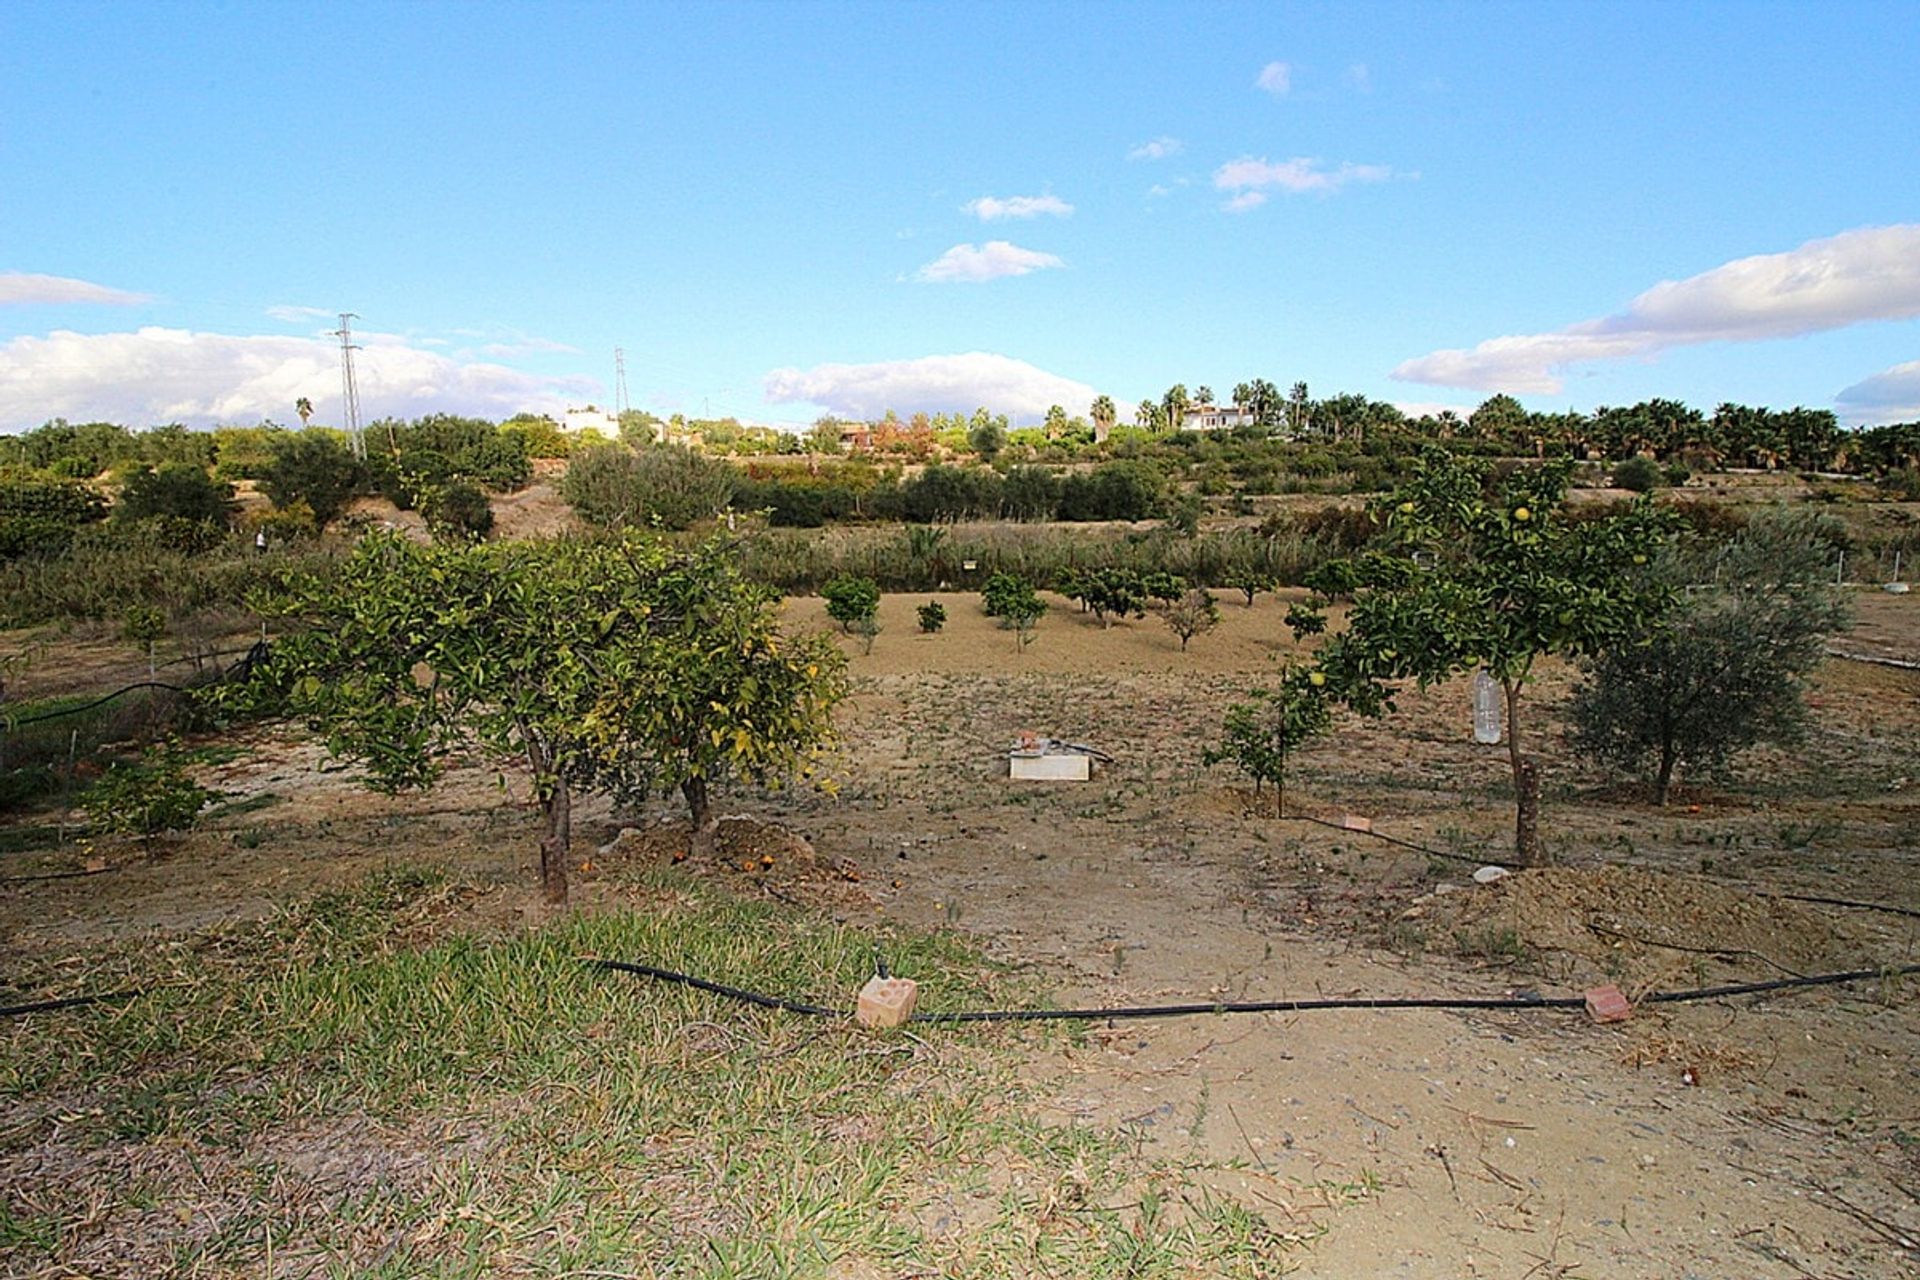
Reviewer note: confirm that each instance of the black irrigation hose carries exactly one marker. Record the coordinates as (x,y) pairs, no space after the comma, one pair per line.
(70,1002)
(1256,1006)
(54,875)
(1887,907)
(720,989)
(10,725)
(1393,840)
(1853,903)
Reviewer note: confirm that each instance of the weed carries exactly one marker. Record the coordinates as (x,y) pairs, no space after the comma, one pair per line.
(1495,944)
(609,1123)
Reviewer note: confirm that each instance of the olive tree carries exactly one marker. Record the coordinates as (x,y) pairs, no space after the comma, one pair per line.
(1728,667)
(1477,568)
(611,665)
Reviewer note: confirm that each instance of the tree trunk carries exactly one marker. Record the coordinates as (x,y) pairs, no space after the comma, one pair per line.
(1526,786)
(557,847)
(700,832)
(1664,779)
(1526,814)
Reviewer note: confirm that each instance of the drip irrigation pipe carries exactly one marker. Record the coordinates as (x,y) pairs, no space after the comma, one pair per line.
(1254,1006)
(69,1002)
(1852,903)
(55,875)
(11,725)
(1393,840)
(1887,907)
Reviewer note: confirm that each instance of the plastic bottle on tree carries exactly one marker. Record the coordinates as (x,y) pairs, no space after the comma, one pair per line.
(1486,708)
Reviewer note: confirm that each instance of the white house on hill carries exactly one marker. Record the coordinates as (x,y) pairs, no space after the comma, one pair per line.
(591,419)
(1213,417)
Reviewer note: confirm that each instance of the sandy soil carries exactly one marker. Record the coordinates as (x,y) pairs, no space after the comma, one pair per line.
(1522,1144)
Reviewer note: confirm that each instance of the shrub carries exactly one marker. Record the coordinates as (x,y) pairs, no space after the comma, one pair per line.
(145,799)
(457,509)
(670,486)
(1258,736)
(1001,592)
(314,468)
(933,616)
(1029,493)
(176,490)
(942,494)
(1639,474)
(294,522)
(851,601)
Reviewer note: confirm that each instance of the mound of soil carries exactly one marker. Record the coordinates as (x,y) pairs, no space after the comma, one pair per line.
(1648,929)
(777,860)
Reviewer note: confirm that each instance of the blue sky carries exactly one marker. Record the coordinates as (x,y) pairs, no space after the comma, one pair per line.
(778,210)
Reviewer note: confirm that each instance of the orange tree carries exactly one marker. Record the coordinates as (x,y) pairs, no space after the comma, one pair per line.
(1475,567)
(608,665)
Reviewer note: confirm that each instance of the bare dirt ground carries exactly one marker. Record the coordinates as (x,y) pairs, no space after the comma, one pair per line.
(1765,1136)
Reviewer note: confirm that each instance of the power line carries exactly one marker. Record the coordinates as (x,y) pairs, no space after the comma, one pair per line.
(620,405)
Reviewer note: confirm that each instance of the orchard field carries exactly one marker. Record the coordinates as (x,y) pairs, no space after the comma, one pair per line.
(366,1046)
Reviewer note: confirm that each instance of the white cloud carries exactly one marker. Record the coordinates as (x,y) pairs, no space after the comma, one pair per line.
(1892,395)
(1857,276)
(1158,190)
(299,315)
(1244,201)
(1275,78)
(930,384)
(1360,77)
(22,289)
(527,347)
(993,209)
(1433,408)
(990,261)
(1158,149)
(174,375)
(1298,176)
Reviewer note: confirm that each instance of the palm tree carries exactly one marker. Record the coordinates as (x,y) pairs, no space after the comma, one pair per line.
(1175,405)
(1103,414)
(303,407)
(1203,395)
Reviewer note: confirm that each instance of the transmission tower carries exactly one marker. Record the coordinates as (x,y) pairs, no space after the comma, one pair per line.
(349,388)
(620,405)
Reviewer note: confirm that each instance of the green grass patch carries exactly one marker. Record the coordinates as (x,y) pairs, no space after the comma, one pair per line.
(378,1095)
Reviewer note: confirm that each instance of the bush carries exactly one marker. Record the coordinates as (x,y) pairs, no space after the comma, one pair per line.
(933,616)
(27,495)
(176,490)
(146,799)
(851,600)
(314,468)
(1124,490)
(457,509)
(1639,474)
(670,486)
(1002,593)
(294,522)
(1013,600)
(942,494)
(1029,493)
